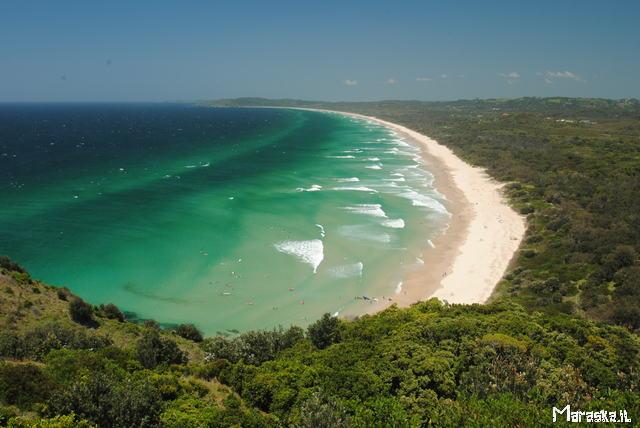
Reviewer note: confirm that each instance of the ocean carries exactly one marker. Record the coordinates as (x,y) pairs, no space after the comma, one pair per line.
(228,218)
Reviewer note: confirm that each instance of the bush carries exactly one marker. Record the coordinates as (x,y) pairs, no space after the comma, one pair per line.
(151,324)
(189,331)
(10,265)
(325,331)
(322,412)
(153,350)
(23,385)
(112,312)
(111,400)
(11,345)
(252,347)
(37,343)
(66,421)
(80,311)
(61,293)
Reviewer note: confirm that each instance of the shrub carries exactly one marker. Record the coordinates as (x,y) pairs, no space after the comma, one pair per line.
(189,331)
(80,311)
(153,350)
(112,312)
(111,400)
(527,209)
(11,345)
(61,293)
(37,343)
(66,421)
(324,332)
(252,347)
(151,324)
(23,384)
(10,265)
(322,412)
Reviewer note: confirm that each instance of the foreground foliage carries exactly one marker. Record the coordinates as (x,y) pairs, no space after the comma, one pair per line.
(429,365)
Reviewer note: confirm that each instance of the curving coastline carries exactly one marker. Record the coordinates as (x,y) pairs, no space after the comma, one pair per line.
(465,263)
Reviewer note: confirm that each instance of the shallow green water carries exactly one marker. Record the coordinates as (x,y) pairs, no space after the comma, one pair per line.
(227,218)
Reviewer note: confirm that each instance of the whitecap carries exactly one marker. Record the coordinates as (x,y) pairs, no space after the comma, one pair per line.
(342,157)
(313,188)
(347,271)
(399,288)
(373,166)
(356,189)
(401,143)
(373,159)
(395,223)
(367,209)
(364,232)
(322,234)
(311,252)
(420,200)
(347,180)
(430,243)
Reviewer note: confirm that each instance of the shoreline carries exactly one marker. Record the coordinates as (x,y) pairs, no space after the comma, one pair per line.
(473,253)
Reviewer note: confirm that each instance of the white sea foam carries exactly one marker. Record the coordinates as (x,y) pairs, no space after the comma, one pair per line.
(420,200)
(401,143)
(311,252)
(322,234)
(430,243)
(374,166)
(399,288)
(313,188)
(356,189)
(347,271)
(341,157)
(365,233)
(394,223)
(347,180)
(373,159)
(367,209)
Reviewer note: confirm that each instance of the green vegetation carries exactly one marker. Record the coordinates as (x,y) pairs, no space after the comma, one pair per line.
(189,331)
(562,327)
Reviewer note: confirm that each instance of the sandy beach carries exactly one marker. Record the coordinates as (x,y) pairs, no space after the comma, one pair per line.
(473,253)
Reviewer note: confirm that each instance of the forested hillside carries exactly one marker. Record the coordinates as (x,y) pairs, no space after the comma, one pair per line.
(67,364)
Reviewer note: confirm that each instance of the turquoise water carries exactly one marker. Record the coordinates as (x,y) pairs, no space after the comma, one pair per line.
(228,218)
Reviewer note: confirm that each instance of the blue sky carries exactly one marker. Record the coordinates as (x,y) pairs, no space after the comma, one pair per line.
(329,50)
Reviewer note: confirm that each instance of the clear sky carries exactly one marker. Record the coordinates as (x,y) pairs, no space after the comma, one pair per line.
(325,50)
